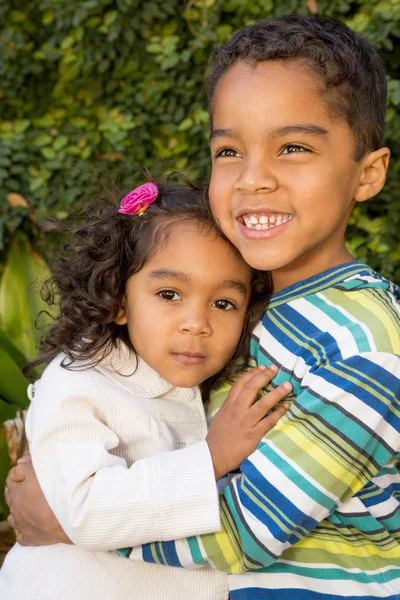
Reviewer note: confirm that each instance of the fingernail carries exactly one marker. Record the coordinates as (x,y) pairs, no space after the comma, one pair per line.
(286,404)
(262,367)
(274,368)
(287,385)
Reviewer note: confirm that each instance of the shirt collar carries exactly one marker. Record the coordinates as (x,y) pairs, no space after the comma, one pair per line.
(319,282)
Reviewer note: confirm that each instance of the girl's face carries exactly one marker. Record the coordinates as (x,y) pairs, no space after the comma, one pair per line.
(185,308)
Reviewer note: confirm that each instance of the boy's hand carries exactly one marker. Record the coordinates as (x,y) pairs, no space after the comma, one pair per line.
(240,424)
(30,515)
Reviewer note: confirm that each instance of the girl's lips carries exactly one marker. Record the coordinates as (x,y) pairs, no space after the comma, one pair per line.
(256,234)
(188,358)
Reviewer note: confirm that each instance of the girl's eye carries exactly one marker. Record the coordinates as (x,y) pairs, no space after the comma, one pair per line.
(293,149)
(170,295)
(223,304)
(227,153)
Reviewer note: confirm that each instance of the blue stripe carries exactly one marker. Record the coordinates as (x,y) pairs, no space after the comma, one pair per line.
(336,315)
(147,554)
(272,498)
(359,389)
(171,554)
(295,594)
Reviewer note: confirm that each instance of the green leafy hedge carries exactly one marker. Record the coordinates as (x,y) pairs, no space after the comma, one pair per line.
(120,82)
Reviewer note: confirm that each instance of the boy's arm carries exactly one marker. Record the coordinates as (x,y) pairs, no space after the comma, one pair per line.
(341,430)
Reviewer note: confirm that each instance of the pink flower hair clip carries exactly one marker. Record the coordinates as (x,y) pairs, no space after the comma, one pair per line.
(139,199)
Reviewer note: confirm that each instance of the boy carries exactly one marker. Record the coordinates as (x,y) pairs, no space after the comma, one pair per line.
(297,110)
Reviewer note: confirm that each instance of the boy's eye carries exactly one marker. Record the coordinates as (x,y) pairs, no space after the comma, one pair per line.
(223,304)
(227,153)
(169,295)
(293,148)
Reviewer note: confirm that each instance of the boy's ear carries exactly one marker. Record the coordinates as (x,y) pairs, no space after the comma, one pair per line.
(373,174)
(121,318)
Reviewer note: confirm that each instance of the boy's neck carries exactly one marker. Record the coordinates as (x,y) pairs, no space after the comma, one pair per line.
(298,271)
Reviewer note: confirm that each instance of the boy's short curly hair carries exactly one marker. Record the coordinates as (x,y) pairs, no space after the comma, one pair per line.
(350,69)
(103,249)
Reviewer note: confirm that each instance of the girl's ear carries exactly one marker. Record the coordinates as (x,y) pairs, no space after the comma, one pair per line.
(121,318)
(373,174)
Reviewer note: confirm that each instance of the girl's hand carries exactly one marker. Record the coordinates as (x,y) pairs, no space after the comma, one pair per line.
(30,515)
(240,424)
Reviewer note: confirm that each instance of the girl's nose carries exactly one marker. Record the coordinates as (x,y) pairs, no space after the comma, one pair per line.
(195,323)
(257,176)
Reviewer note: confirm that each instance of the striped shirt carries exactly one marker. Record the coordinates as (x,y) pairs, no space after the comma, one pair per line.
(314,512)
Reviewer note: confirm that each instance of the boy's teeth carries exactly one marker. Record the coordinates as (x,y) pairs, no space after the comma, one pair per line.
(258,222)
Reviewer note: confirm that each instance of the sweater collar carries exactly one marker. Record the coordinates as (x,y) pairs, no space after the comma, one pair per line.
(319,282)
(132,373)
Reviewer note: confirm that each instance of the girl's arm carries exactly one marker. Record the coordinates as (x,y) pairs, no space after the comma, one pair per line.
(93,493)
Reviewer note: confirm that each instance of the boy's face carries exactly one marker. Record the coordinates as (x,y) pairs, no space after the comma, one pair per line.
(284,179)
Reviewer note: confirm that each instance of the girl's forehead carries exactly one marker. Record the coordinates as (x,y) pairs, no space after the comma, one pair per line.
(199,251)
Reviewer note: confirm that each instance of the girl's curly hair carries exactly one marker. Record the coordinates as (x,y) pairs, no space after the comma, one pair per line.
(104,249)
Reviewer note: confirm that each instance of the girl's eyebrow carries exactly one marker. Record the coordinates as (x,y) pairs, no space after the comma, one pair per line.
(185,278)
(170,274)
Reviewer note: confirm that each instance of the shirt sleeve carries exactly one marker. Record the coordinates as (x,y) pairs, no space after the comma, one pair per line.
(100,501)
(340,431)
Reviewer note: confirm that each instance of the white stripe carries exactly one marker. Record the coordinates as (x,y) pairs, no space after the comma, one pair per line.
(289,361)
(370,417)
(287,487)
(343,336)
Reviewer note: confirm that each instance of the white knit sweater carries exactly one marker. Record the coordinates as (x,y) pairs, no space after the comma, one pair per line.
(101,441)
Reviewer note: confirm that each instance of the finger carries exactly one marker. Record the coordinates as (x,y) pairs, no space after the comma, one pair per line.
(266,403)
(7,496)
(11,521)
(269,422)
(16,474)
(260,379)
(25,458)
(241,382)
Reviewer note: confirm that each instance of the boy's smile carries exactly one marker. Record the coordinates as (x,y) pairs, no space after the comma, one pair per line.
(284,178)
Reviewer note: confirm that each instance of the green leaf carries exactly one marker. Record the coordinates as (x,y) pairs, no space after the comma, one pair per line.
(13,385)
(20,301)
(5,465)
(44,139)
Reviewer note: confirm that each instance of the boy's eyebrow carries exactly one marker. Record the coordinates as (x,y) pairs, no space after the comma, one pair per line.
(185,278)
(217,133)
(307,128)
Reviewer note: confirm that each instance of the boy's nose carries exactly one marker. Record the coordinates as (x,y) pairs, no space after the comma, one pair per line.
(257,176)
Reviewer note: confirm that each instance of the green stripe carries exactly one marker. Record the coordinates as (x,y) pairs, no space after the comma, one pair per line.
(371,317)
(195,551)
(337,574)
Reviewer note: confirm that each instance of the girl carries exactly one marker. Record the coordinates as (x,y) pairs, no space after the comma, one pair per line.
(152,303)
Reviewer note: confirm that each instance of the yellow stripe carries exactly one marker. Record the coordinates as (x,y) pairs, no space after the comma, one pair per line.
(367,549)
(378,310)
(228,552)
